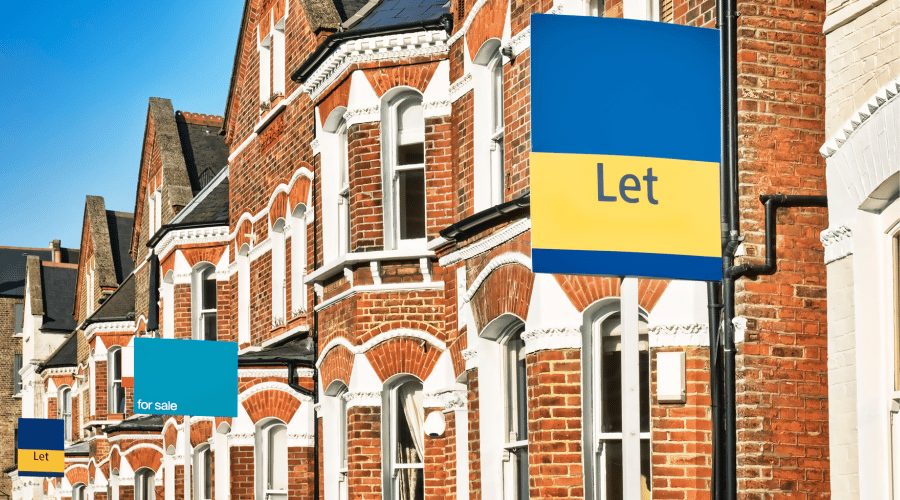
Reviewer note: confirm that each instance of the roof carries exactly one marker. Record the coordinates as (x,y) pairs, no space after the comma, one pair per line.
(58,287)
(79,449)
(393,12)
(205,152)
(120,226)
(139,423)
(12,267)
(65,355)
(294,351)
(210,204)
(119,306)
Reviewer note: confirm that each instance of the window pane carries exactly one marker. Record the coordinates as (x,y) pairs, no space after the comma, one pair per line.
(118,397)
(646,479)
(613,454)
(411,122)
(117,365)
(411,193)
(20,312)
(611,390)
(411,154)
(207,474)
(522,474)
(644,364)
(209,326)
(17,379)
(209,294)
(406,447)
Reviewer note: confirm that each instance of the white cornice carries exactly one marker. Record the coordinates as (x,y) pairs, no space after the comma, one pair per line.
(434,109)
(109,327)
(197,236)
(520,42)
(486,244)
(272,372)
(272,386)
(471,358)
(384,287)
(366,50)
(378,339)
(120,437)
(552,338)
(362,399)
(498,261)
(838,243)
(258,250)
(60,371)
(362,115)
(695,334)
(461,87)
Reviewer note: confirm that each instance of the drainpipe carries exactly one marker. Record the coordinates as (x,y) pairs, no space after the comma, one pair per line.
(315,338)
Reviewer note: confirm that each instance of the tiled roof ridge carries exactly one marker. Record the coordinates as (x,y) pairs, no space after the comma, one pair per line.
(198,118)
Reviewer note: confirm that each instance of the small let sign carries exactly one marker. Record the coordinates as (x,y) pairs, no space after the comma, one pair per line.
(41,447)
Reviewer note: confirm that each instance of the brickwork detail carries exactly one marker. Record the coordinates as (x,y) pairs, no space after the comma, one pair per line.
(364,452)
(271,403)
(337,365)
(403,355)
(583,291)
(516,281)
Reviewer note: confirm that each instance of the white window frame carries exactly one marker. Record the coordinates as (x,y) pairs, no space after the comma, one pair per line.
(203,469)
(79,491)
(390,421)
(298,260)
(271,452)
(19,319)
(264,46)
(390,142)
(487,141)
(601,326)
(17,376)
(495,71)
(243,313)
(278,55)
(200,274)
(144,484)
(112,383)
(515,442)
(64,402)
(168,296)
(89,278)
(343,195)
(279,272)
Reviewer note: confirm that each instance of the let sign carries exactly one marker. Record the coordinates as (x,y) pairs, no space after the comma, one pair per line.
(625,168)
(41,447)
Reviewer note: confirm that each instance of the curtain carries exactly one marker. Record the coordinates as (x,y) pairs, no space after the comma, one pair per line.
(412,449)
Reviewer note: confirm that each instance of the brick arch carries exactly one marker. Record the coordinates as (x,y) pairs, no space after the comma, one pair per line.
(456,349)
(299,192)
(278,208)
(506,290)
(416,76)
(78,474)
(404,324)
(488,23)
(170,437)
(583,291)
(105,470)
(271,403)
(240,238)
(339,96)
(167,264)
(195,256)
(92,470)
(144,457)
(201,432)
(403,355)
(337,365)
(115,457)
(219,421)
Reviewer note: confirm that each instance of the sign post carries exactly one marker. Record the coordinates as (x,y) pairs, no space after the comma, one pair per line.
(625,170)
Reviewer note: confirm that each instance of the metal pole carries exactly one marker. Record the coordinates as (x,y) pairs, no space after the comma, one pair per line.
(631,390)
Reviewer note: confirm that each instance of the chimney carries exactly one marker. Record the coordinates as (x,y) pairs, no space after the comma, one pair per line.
(55,247)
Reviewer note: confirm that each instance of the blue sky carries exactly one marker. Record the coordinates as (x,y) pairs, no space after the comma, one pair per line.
(75,78)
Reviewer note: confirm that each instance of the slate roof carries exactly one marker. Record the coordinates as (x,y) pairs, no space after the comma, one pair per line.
(79,449)
(119,306)
(205,152)
(346,8)
(294,351)
(65,355)
(120,226)
(58,286)
(141,423)
(210,204)
(12,267)
(393,12)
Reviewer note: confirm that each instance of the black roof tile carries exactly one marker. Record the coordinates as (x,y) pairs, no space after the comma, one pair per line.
(295,351)
(65,355)
(212,208)
(120,227)
(140,423)
(118,306)
(12,269)
(393,12)
(205,152)
(58,285)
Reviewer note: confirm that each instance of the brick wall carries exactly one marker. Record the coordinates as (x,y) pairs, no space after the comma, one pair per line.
(10,407)
(364,452)
(367,196)
(242,470)
(474,434)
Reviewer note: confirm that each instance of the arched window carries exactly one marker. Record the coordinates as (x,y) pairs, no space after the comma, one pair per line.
(343,195)
(271,461)
(298,260)
(64,402)
(203,298)
(495,68)
(114,390)
(278,273)
(404,453)
(515,397)
(404,150)
(487,72)
(144,484)
(606,411)
(203,471)
(79,491)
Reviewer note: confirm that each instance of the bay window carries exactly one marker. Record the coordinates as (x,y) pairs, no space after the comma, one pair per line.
(64,410)
(404,452)
(404,151)
(298,261)
(495,67)
(271,461)
(115,393)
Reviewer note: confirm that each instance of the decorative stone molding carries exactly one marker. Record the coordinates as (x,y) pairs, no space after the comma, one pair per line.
(520,42)
(461,87)
(838,243)
(198,236)
(455,401)
(432,400)
(119,437)
(884,95)
(272,372)
(317,407)
(556,337)
(108,327)
(436,108)
(272,386)
(258,250)
(470,356)
(238,440)
(363,115)
(315,146)
(696,334)
(378,339)
(362,399)
(367,50)
(60,371)
(498,261)
(486,244)
(304,439)
(140,446)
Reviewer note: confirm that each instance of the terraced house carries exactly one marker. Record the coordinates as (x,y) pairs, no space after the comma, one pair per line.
(358,222)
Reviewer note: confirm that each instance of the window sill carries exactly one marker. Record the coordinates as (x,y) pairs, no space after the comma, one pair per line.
(17,395)
(270,115)
(337,266)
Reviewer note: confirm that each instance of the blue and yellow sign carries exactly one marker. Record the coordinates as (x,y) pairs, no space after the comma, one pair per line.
(41,447)
(625,168)
(185,377)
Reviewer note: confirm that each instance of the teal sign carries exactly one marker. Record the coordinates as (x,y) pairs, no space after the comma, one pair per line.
(185,377)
